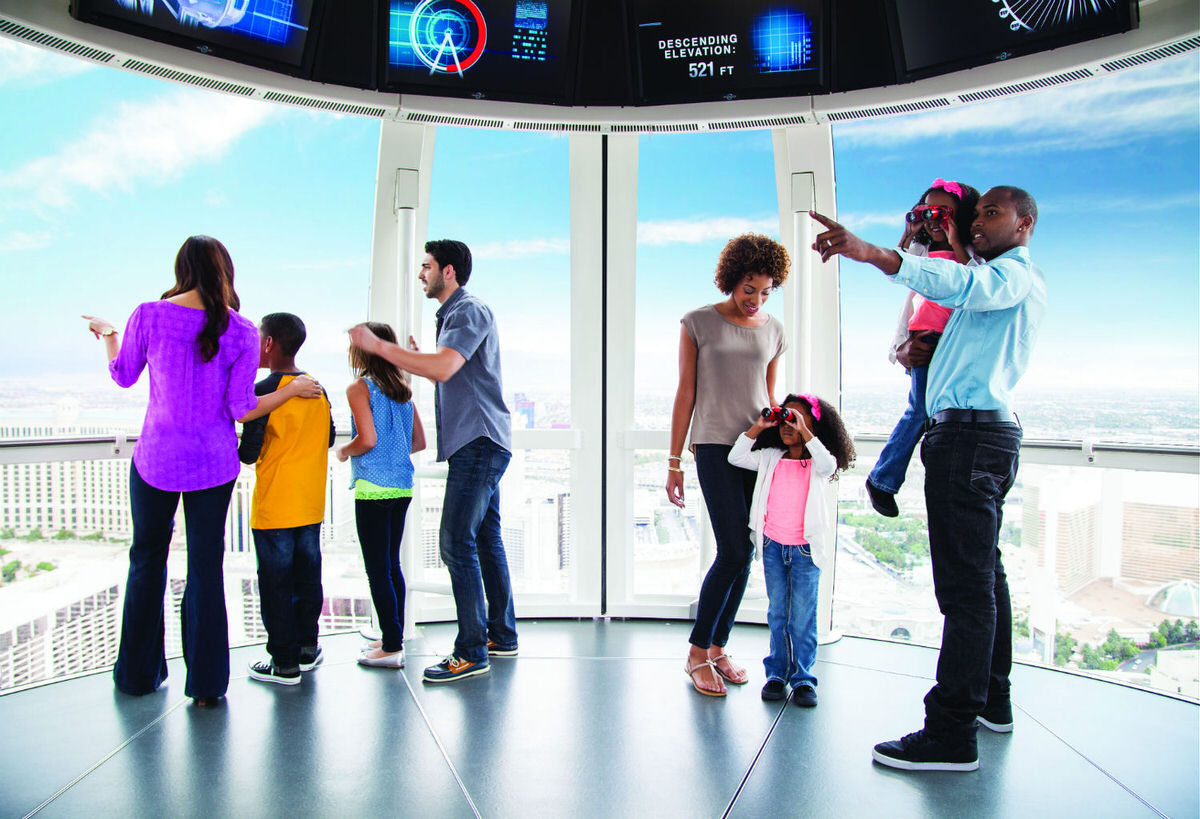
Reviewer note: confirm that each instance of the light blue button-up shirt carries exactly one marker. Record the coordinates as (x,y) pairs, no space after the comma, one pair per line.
(984,350)
(470,404)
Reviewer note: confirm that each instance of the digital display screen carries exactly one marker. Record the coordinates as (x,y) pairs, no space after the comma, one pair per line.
(259,32)
(728,49)
(942,35)
(493,49)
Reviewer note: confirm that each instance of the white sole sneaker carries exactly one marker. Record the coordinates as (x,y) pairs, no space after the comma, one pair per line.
(387,661)
(998,727)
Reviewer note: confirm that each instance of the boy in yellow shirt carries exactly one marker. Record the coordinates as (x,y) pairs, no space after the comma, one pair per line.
(289,448)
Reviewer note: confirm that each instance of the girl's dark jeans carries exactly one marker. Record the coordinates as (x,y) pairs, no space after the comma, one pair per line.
(380,526)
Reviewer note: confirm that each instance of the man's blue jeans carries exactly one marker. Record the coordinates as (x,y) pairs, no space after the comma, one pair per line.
(892,465)
(473,550)
(141,660)
(969,468)
(792,580)
(289,589)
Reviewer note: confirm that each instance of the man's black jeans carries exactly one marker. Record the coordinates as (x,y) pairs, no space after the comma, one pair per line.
(969,468)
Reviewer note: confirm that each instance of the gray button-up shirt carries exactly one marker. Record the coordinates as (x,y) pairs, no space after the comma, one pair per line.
(470,404)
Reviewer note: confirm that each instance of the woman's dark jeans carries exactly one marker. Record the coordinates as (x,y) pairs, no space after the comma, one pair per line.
(728,491)
(141,659)
(380,526)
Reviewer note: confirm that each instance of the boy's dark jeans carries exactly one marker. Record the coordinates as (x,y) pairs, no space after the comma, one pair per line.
(969,468)
(728,491)
(289,588)
(141,660)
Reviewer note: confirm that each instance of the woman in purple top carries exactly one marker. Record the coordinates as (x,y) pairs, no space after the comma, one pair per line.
(202,357)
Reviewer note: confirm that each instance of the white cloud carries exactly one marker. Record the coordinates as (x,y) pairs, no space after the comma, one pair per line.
(1105,111)
(145,141)
(29,65)
(521,248)
(695,231)
(859,222)
(22,240)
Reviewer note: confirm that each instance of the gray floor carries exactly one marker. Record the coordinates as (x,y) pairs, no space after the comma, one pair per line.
(593,719)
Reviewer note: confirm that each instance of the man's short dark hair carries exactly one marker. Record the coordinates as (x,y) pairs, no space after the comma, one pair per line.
(286,329)
(1022,200)
(452,252)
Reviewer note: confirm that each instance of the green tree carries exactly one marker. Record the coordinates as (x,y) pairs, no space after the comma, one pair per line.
(64,534)
(7,533)
(1191,632)
(1064,647)
(1020,625)
(9,571)
(46,566)
(1116,647)
(35,534)
(1156,640)
(94,536)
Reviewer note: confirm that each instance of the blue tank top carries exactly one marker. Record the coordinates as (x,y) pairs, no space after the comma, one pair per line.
(389,463)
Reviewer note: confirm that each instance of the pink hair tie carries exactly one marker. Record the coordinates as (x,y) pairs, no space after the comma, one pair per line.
(948,187)
(814,403)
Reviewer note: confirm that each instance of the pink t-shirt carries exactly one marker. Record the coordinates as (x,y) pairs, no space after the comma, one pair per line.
(784,520)
(930,317)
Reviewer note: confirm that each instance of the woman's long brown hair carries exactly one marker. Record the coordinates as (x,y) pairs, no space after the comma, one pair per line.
(204,265)
(383,372)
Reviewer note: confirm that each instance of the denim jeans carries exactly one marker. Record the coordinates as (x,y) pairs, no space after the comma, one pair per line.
(792,580)
(289,589)
(969,468)
(892,465)
(473,550)
(141,659)
(728,491)
(380,524)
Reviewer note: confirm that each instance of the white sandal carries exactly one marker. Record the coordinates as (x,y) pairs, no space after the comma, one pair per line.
(691,672)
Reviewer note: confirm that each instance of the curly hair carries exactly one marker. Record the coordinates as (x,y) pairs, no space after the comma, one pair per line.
(751,254)
(830,431)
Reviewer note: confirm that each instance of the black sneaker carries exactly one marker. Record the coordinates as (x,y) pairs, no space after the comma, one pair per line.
(883,502)
(267,671)
(921,752)
(311,657)
(804,696)
(997,716)
(774,690)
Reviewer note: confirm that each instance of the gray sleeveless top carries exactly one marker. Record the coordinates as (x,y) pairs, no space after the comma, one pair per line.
(731,373)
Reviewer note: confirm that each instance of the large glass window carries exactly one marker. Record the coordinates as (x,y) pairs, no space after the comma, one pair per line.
(1093,555)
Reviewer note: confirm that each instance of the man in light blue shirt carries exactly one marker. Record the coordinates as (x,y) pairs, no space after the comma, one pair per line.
(970,455)
(474,432)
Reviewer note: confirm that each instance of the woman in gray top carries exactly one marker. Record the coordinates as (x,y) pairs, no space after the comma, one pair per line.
(728,354)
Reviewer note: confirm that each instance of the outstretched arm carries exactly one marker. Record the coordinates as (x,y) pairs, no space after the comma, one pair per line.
(835,240)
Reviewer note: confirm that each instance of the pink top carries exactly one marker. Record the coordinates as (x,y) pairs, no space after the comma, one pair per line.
(784,519)
(928,316)
(187,440)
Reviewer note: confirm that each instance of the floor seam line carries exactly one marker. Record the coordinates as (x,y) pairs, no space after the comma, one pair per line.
(754,762)
(1095,764)
(462,786)
(96,765)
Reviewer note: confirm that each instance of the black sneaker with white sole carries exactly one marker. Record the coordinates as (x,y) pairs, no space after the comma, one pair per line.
(266,671)
(997,716)
(311,657)
(921,752)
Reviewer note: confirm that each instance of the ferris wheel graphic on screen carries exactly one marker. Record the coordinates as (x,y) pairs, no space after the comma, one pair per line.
(1035,15)
(448,36)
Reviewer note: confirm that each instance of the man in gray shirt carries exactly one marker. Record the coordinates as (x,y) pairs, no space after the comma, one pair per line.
(474,436)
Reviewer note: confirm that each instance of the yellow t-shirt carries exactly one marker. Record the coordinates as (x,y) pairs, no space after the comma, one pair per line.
(292,465)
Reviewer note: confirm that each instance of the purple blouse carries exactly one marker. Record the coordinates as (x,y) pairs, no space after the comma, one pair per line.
(187,441)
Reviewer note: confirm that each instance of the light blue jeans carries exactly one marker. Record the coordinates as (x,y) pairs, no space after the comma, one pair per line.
(792,580)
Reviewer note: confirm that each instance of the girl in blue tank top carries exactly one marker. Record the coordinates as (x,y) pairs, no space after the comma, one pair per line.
(385,430)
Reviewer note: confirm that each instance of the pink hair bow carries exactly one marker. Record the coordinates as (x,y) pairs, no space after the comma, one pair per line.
(948,187)
(814,403)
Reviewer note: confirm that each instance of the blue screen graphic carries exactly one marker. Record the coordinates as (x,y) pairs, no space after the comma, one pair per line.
(274,22)
(783,41)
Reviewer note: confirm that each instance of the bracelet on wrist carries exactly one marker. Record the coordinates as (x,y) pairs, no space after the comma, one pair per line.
(674,458)
(674,469)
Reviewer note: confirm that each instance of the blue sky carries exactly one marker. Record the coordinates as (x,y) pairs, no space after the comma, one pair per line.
(110,171)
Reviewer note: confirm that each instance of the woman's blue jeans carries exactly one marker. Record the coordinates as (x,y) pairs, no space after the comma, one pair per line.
(141,659)
(792,581)
(892,466)
(727,491)
(473,550)
(380,524)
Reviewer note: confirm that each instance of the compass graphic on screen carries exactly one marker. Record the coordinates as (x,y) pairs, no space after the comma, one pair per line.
(1035,15)
(447,35)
